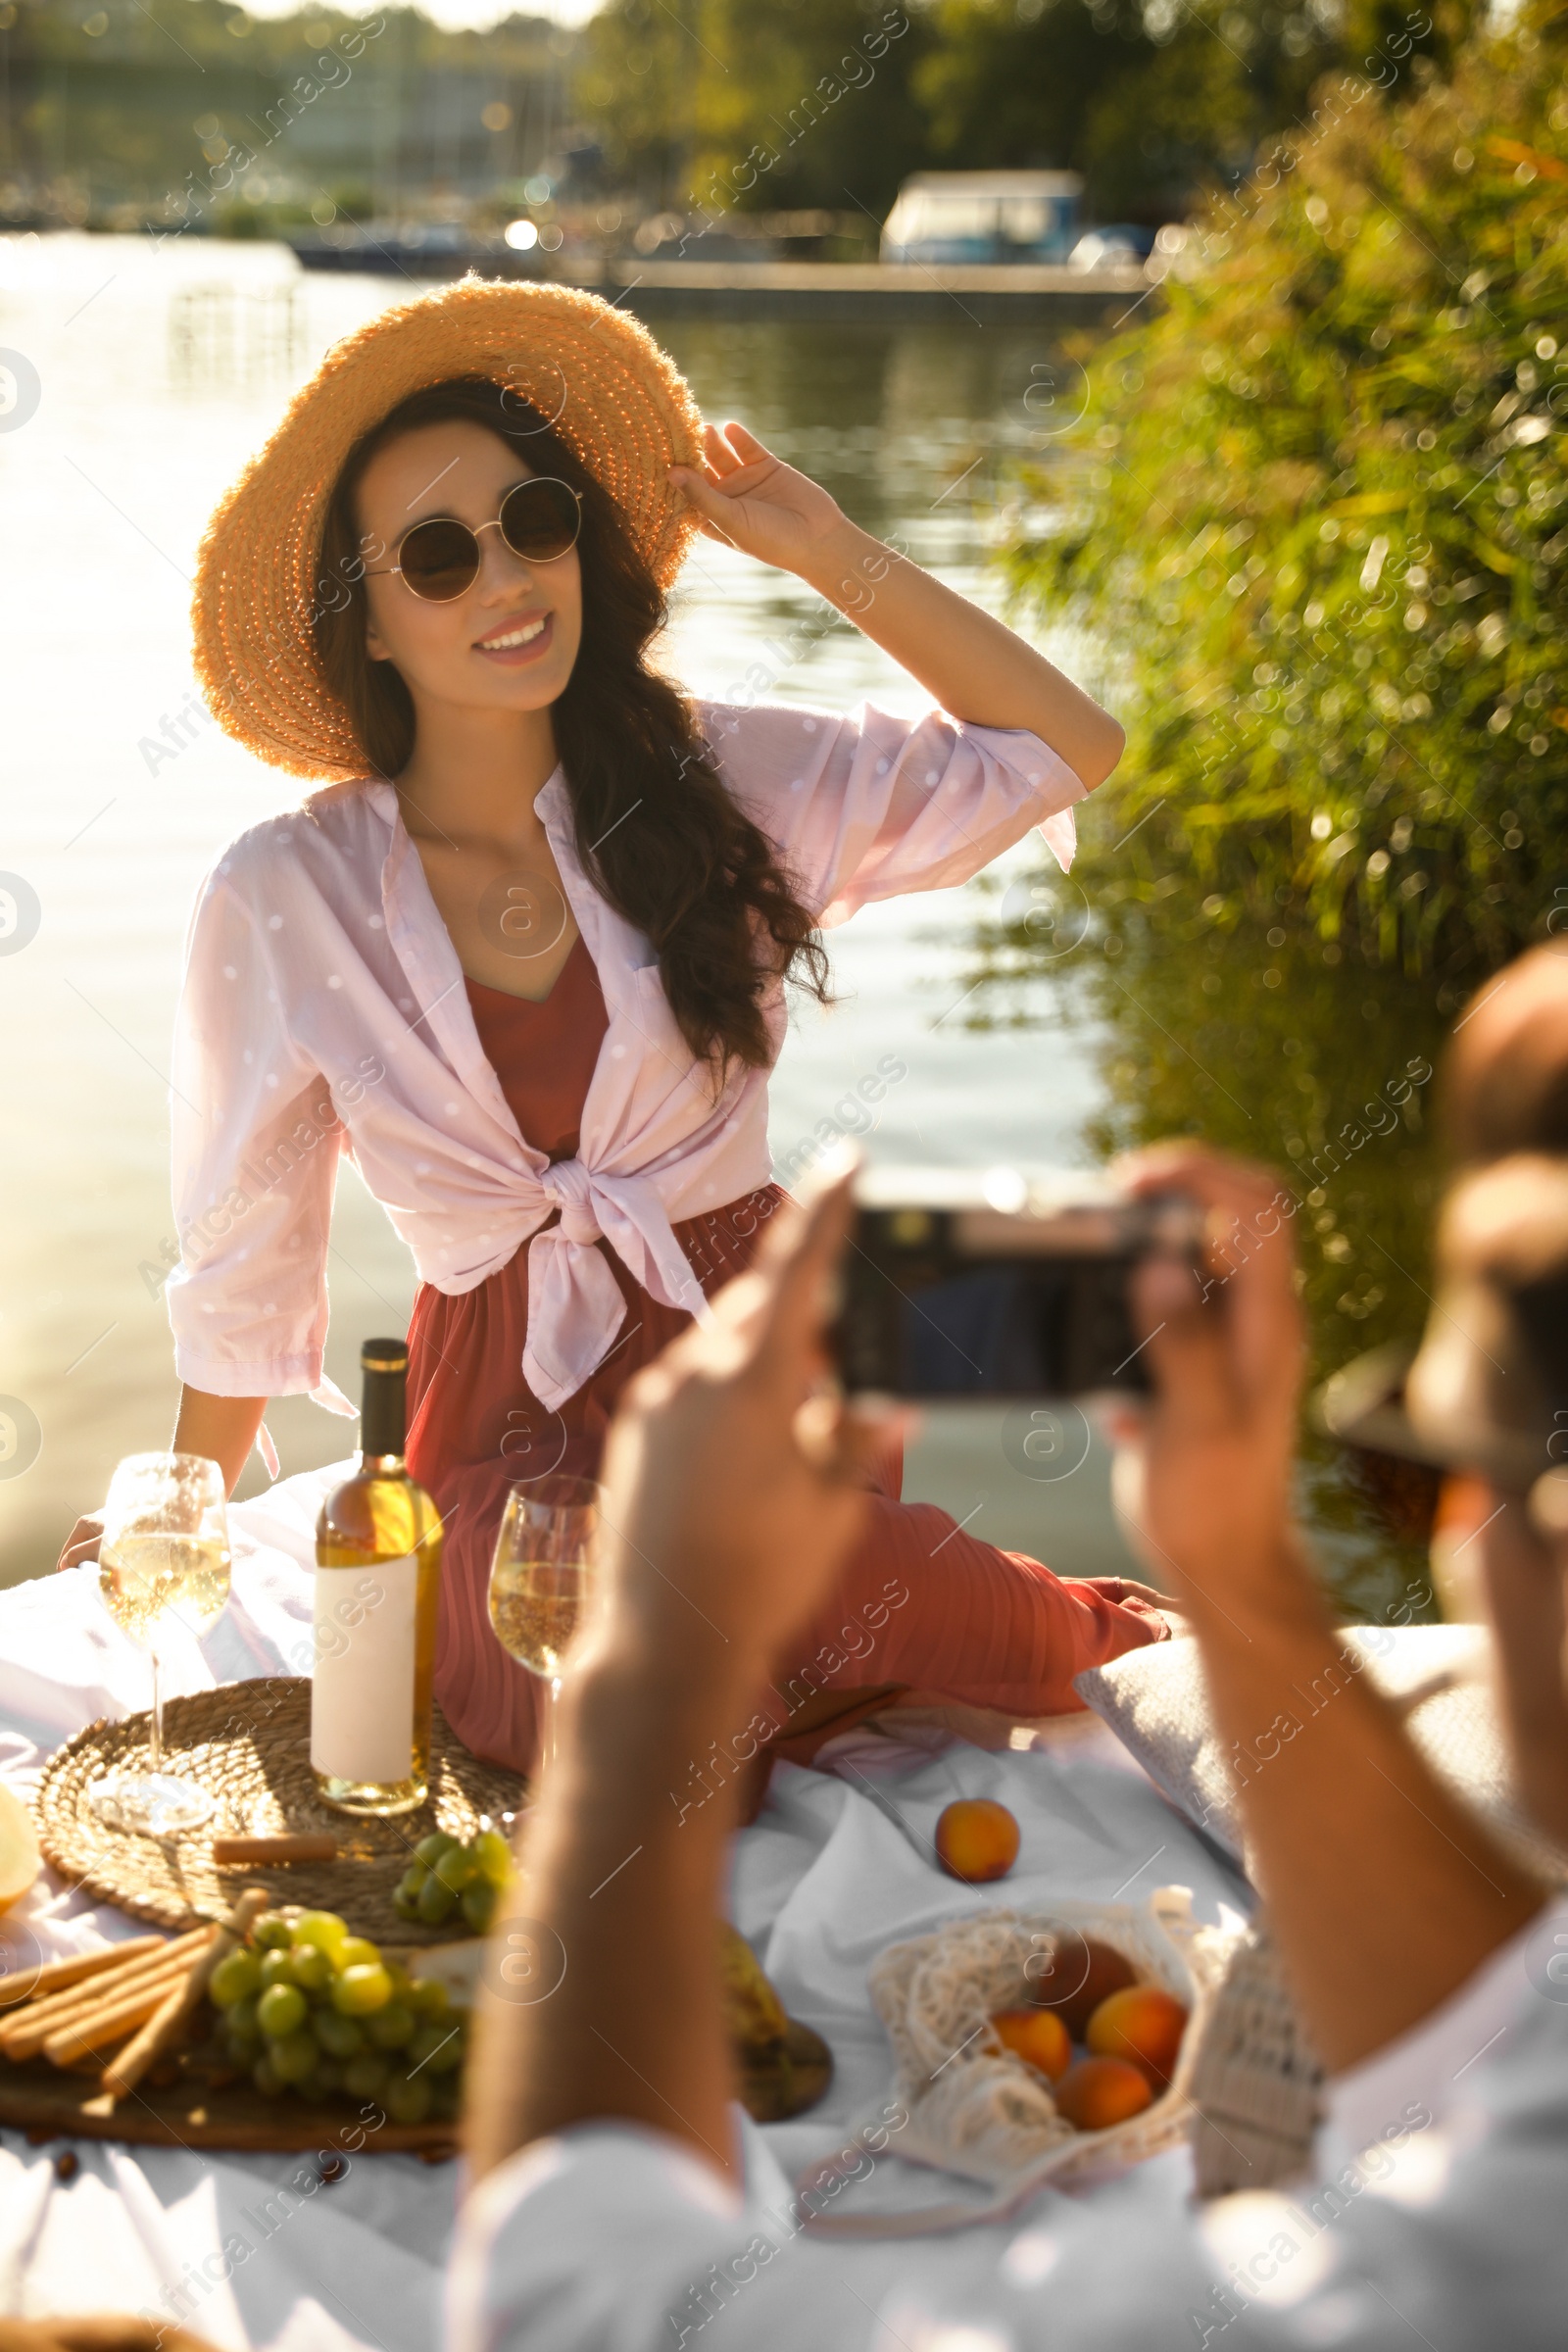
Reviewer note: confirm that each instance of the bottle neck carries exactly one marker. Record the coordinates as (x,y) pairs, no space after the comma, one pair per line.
(383,1430)
(382,1465)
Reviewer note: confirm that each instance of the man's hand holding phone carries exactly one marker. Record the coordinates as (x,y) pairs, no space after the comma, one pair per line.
(732,1485)
(1202,1479)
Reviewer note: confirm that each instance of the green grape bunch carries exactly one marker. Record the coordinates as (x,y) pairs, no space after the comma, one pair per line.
(447,1878)
(307,2007)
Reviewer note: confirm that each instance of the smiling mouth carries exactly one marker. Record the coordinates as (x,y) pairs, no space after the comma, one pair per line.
(524,633)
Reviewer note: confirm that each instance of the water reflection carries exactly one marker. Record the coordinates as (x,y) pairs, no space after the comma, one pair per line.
(226,337)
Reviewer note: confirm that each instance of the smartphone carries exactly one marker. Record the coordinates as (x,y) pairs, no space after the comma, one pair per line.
(946,1293)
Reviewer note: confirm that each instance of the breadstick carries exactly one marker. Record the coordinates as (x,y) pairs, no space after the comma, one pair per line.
(169,2018)
(60,2005)
(33,1984)
(123,2074)
(21,2034)
(100,2029)
(25,2033)
(298,1845)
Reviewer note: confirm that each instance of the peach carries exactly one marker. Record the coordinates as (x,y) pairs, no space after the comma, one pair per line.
(976,1839)
(1097,2092)
(1077,1978)
(1142,2024)
(1035,2035)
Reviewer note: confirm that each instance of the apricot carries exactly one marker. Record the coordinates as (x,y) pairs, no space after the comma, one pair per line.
(1142,2024)
(1038,2037)
(976,1839)
(1095,2093)
(1077,1978)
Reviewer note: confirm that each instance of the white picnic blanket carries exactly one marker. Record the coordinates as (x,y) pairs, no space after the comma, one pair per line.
(256,2251)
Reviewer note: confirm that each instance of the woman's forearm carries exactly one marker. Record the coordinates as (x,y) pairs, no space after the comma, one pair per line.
(977,668)
(223,1428)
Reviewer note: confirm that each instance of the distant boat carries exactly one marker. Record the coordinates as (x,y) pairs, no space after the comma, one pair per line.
(1119,241)
(959,219)
(428,249)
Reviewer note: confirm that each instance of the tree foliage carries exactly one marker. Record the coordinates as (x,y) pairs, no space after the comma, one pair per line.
(1151,99)
(1148,101)
(1322,493)
(727,106)
(132,114)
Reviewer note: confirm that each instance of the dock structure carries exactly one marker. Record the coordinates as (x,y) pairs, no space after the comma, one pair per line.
(992,293)
(987,293)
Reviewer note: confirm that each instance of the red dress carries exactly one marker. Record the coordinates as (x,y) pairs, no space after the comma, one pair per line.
(920,1605)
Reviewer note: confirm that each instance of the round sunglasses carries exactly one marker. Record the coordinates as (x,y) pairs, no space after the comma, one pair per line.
(439,558)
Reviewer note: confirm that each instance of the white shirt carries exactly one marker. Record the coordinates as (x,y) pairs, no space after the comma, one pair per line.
(1428,2067)
(1447,2228)
(323,1009)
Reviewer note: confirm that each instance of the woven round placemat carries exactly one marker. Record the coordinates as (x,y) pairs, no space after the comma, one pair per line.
(248,1745)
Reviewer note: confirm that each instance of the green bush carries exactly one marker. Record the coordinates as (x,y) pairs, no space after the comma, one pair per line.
(1312,516)
(1318,514)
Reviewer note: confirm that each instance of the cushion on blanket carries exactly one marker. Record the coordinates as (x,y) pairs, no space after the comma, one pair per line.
(1438,1675)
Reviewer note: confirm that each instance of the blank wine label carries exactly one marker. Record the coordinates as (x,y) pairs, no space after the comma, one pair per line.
(362,1692)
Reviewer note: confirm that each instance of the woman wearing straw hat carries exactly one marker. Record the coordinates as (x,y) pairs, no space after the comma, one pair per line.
(523,950)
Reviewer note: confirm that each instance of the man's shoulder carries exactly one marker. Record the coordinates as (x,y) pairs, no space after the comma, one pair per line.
(1526,2072)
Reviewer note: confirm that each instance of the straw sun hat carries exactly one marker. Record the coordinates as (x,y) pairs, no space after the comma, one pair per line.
(598,375)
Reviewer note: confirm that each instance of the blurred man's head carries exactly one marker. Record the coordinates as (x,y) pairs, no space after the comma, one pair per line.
(1488,1390)
(1490,1385)
(1506,1080)
(1492,1372)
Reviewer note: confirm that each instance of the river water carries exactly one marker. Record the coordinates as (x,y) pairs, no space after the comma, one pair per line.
(157,374)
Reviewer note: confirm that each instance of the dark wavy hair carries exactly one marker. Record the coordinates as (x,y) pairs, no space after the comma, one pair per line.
(692,873)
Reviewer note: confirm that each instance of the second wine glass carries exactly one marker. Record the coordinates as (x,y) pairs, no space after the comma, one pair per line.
(542,1580)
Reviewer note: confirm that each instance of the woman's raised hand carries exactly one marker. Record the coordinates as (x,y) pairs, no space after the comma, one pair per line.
(1204,1486)
(746,495)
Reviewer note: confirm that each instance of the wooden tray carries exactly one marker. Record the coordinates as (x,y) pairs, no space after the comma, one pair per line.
(248,1745)
(190,2113)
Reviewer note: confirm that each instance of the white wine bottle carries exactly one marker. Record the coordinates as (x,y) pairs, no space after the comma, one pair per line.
(378,1586)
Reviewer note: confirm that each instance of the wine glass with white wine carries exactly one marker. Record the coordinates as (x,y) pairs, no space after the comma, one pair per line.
(542,1580)
(163,1559)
